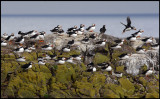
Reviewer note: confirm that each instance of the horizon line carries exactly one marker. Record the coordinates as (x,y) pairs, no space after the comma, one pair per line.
(123,14)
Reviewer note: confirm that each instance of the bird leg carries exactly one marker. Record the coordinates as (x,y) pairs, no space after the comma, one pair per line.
(91,31)
(138,36)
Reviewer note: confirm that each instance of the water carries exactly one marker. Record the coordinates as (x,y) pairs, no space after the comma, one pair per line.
(14,23)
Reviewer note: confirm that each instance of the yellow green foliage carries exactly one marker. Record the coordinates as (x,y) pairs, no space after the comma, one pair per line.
(110,94)
(99,58)
(152,95)
(142,81)
(127,86)
(23,93)
(120,69)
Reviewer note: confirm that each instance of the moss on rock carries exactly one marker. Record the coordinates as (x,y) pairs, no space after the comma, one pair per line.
(99,58)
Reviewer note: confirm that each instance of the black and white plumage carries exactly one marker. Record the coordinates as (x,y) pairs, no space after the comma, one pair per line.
(155,46)
(93,36)
(107,68)
(72,34)
(70,43)
(148,40)
(27,66)
(41,62)
(80,31)
(124,56)
(32,33)
(35,37)
(104,64)
(23,34)
(140,50)
(128,27)
(116,46)
(82,27)
(27,49)
(66,49)
(70,60)
(149,72)
(20,40)
(3,43)
(91,28)
(77,57)
(5,35)
(90,64)
(132,38)
(11,37)
(138,33)
(49,57)
(119,42)
(103,29)
(56,29)
(72,29)
(85,40)
(92,69)
(21,59)
(47,47)
(42,35)
(60,60)
(101,43)
(19,50)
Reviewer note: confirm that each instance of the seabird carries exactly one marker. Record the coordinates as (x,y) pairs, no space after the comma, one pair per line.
(5,35)
(155,46)
(124,56)
(56,29)
(148,40)
(19,50)
(72,34)
(90,65)
(77,57)
(85,40)
(66,49)
(41,62)
(69,60)
(47,47)
(140,50)
(101,43)
(60,60)
(21,59)
(91,28)
(41,36)
(131,38)
(27,66)
(23,34)
(119,42)
(72,29)
(32,33)
(92,69)
(3,43)
(20,40)
(104,64)
(149,72)
(116,46)
(93,36)
(27,49)
(128,27)
(82,27)
(70,43)
(102,30)
(107,68)
(10,38)
(138,33)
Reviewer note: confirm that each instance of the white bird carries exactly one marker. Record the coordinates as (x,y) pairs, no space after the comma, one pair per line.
(149,72)
(41,62)
(5,35)
(3,43)
(21,59)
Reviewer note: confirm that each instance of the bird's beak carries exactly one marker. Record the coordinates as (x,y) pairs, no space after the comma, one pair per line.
(134,28)
(142,31)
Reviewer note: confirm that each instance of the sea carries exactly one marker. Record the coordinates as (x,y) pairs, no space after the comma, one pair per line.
(147,22)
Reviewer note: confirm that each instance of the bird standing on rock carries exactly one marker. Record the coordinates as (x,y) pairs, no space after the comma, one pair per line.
(91,28)
(128,27)
(103,30)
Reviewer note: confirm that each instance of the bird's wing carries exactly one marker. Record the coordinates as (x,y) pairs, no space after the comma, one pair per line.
(128,21)
(123,24)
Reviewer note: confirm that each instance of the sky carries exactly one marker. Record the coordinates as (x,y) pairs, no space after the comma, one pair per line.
(79,7)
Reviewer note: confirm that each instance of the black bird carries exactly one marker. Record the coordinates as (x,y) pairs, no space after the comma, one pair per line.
(103,29)
(72,29)
(93,36)
(128,27)
(56,29)
(23,34)
(70,42)
(85,40)
(20,40)
(90,64)
(27,66)
(104,64)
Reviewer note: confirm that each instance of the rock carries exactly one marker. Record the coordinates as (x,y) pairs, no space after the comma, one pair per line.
(22,93)
(99,58)
(127,86)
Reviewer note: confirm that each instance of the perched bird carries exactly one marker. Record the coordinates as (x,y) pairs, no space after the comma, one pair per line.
(80,31)
(72,29)
(41,62)
(91,28)
(27,66)
(92,69)
(47,47)
(20,40)
(116,46)
(140,50)
(27,49)
(155,46)
(66,49)
(119,42)
(56,29)
(90,65)
(148,40)
(41,36)
(10,38)
(19,50)
(104,64)
(23,34)
(107,68)
(21,59)
(85,40)
(124,56)
(49,57)
(35,37)
(132,38)
(72,34)
(60,60)
(103,29)
(77,57)
(138,33)
(69,60)
(32,33)
(128,27)
(149,72)
(5,35)
(70,43)
(3,43)
(101,43)
(93,36)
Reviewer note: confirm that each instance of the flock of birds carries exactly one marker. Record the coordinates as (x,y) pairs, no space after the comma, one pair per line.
(73,32)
